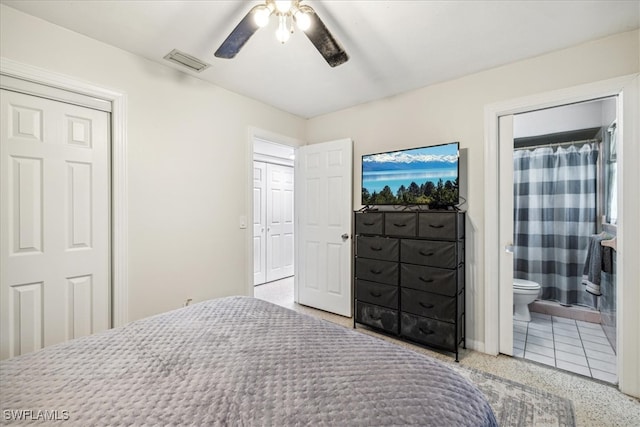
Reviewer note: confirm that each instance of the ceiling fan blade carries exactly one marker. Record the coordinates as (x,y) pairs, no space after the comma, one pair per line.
(238,37)
(324,41)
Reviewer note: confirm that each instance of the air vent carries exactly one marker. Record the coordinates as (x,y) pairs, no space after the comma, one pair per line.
(186,60)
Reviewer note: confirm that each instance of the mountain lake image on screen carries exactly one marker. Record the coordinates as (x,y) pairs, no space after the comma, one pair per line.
(417,176)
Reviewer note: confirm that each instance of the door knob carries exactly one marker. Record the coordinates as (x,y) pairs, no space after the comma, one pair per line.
(345,236)
(508,249)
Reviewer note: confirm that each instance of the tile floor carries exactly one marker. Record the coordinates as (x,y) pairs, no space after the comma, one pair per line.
(572,345)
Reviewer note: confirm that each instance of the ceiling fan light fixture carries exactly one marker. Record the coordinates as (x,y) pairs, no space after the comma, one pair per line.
(303,21)
(282,33)
(261,16)
(289,12)
(283,6)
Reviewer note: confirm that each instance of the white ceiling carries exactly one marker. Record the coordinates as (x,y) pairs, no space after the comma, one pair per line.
(394,46)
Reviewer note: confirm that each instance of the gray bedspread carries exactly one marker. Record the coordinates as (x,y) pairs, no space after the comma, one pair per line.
(236,361)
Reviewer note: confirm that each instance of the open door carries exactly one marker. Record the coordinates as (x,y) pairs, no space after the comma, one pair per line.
(506,233)
(323,198)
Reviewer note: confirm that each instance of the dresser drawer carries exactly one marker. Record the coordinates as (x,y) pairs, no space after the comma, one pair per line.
(440,225)
(377,271)
(378,248)
(426,304)
(377,293)
(428,331)
(430,279)
(430,252)
(378,317)
(400,224)
(369,223)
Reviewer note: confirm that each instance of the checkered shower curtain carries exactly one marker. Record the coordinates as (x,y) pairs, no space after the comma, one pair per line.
(555,195)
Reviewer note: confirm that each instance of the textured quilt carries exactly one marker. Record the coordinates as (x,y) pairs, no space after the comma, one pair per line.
(235,361)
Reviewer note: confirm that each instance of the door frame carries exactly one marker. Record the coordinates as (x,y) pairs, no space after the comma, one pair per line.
(119,190)
(276,138)
(626,88)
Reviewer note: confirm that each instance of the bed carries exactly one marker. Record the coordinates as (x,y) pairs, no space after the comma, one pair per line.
(236,361)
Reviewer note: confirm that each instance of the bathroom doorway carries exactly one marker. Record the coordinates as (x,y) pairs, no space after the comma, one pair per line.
(564,199)
(498,263)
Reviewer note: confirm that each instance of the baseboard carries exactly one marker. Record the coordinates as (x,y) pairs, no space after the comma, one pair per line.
(573,312)
(475,345)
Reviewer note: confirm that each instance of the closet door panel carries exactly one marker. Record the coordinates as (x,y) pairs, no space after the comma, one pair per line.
(279,220)
(259,223)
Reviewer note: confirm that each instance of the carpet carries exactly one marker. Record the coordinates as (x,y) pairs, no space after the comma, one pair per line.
(516,404)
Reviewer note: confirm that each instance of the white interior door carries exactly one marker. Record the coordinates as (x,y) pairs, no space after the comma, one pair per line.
(506,233)
(279,219)
(54,222)
(259,222)
(324,182)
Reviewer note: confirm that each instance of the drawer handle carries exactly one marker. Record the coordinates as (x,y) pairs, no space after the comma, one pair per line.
(436,225)
(375,294)
(376,248)
(426,331)
(426,253)
(423,305)
(375,271)
(399,225)
(425,280)
(368,224)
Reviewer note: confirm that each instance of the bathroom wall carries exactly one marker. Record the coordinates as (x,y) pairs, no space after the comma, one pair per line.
(571,117)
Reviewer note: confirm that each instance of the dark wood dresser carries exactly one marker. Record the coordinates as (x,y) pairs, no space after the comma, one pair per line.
(409,275)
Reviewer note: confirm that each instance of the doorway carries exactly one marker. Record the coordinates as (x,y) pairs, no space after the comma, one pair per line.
(273,211)
(29,79)
(323,214)
(562,202)
(498,303)
(278,151)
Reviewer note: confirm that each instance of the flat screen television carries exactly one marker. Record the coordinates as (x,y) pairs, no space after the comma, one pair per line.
(416,176)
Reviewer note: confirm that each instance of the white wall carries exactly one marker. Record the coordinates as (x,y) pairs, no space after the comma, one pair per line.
(584,115)
(271,152)
(454,111)
(188,163)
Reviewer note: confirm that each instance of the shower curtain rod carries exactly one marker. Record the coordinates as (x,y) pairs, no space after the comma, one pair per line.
(558,144)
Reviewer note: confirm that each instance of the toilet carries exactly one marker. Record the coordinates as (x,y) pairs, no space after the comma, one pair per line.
(524,293)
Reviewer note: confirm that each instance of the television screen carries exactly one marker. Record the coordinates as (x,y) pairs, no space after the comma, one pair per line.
(417,176)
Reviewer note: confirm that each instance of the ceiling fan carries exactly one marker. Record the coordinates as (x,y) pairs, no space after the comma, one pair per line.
(287,13)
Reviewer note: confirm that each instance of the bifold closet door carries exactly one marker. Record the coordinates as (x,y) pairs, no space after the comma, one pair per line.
(259,223)
(54,222)
(273,238)
(279,219)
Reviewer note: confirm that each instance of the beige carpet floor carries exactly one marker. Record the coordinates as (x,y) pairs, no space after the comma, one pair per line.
(595,403)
